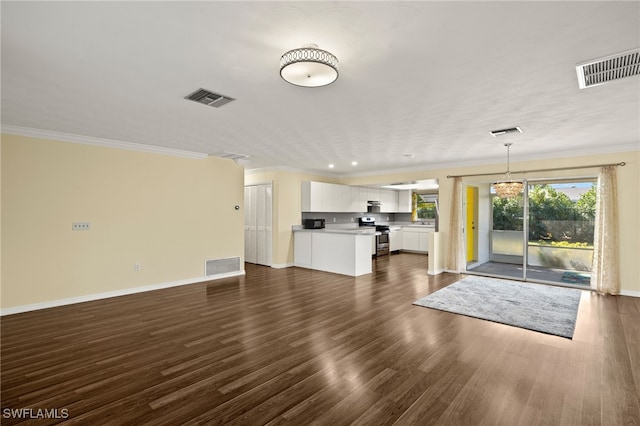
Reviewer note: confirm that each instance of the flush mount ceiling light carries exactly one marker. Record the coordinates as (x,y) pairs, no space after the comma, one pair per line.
(508,188)
(309,66)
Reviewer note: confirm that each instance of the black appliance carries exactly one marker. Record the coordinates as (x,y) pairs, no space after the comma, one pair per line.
(313,223)
(382,240)
(373,206)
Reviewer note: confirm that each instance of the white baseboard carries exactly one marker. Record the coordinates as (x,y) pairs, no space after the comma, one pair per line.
(630,293)
(115,293)
(282,265)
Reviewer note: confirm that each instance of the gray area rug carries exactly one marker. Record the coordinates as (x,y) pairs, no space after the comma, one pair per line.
(538,307)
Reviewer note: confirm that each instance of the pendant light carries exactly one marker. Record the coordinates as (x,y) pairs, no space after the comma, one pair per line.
(508,188)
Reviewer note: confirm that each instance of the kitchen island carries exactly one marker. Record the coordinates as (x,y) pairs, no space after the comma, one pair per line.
(341,251)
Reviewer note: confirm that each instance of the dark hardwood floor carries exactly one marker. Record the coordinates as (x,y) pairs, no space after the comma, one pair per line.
(300,347)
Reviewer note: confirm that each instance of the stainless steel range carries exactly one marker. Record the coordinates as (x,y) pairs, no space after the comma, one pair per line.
(382,240)
(382,234)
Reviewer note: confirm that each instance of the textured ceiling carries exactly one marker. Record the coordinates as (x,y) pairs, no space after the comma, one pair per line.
(423,78)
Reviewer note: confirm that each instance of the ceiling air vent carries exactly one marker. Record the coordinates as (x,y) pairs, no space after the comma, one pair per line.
(240,159)
(501,132)
(603,70)
(232,155)
(207,97)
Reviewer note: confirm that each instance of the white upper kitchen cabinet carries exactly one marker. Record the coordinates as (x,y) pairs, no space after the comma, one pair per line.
(327,203)
(404,201)
(373,194)
(334,198)
(353,201)
(325,197)
(364,197)
(389,201)
(311,196)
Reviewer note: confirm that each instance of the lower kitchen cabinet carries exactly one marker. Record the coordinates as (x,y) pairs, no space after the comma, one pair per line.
(415,239)
(302,249)
(395,240)
(338,252)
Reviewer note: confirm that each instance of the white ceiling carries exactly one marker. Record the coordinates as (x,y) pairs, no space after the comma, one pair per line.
(423,78)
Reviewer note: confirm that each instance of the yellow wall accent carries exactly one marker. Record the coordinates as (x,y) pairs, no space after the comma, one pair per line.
(166,213)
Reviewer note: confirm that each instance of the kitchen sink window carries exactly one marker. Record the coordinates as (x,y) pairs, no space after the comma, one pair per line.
(425,208)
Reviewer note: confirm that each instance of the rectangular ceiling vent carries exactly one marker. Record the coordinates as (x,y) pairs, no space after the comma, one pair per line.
(232,156)
(609,68)
(240,159)
(501,132)
(207,97)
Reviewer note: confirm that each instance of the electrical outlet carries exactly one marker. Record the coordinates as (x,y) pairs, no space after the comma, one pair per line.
(334,220)
(80,226)
(136,267)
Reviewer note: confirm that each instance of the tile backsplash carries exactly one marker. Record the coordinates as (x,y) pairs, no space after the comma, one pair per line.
(352,218)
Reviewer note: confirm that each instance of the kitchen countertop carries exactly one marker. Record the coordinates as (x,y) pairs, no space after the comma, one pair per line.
(357,231)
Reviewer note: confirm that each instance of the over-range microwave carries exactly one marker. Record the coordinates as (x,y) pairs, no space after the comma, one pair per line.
(313,223)
(373,206)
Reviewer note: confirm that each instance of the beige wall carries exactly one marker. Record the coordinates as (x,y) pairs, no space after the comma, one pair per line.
(166,213)
(287,208)
(628,196)
(170,214)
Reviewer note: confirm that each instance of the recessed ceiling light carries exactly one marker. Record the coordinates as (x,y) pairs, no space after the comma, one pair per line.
(331,166)
(354,163)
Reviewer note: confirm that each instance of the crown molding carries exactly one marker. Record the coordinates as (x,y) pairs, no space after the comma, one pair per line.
(290,170)
(106,143)
(608,149)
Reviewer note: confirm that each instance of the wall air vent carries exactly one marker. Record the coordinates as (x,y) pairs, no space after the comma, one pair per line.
(501,132)
(221,266)
(207,97)
(609,68)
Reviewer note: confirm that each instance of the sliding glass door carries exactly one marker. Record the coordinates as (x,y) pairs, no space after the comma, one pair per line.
(561,224)
(544,234)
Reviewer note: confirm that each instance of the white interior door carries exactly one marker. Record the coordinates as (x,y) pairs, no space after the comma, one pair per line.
(250,234)
(258,224)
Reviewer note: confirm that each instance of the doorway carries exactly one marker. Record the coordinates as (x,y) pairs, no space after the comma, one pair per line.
(471,222)
(258,224)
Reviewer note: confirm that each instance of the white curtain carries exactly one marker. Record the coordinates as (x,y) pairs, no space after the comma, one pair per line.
(605,276)
(455,254)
